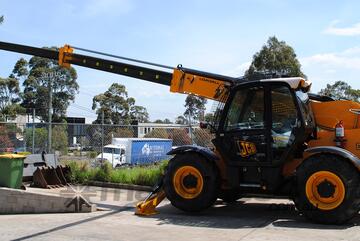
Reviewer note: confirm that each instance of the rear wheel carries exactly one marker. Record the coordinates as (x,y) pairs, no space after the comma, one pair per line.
(328,189)
(191,182)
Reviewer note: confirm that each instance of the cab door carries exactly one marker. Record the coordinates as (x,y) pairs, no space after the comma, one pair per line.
(243,138)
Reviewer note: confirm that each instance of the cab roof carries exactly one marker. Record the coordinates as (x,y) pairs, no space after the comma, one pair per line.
(294,82)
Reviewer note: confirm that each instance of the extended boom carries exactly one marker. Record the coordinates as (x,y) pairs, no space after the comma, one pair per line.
(181,80)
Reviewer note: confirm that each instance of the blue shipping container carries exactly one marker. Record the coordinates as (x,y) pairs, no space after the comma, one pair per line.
(149,151)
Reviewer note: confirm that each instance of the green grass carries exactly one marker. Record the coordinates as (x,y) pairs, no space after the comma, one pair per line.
(82,173)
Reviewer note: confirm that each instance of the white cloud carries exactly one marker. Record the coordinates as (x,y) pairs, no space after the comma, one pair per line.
(352,51)
(324,68)
(342,31)
(348,59)
(107,7)
(238,70)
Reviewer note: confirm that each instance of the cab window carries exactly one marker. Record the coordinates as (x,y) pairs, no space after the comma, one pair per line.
(246,110)
(284,116)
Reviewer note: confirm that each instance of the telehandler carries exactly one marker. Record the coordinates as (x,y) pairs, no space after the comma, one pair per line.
(271,138)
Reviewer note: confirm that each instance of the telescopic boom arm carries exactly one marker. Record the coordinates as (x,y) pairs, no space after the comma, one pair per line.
(181,80)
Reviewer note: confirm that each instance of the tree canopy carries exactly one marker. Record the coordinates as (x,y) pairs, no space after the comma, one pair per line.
(10,95)
(117,107)
(37,74)
(1,19)
(139,113)
(195,107)
(275,57)
(341,90)
(165,121)
(9,98)
(181,120)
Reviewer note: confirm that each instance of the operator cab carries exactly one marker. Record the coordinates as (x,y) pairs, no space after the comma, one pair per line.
(263,125)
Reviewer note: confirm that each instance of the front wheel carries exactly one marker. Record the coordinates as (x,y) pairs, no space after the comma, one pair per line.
(328,189)
(191,182)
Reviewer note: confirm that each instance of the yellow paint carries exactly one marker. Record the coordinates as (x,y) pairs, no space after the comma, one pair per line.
(198,85)
(65,56)
(325,203)
(147,207)
(328,114)
(178,182)
(12,156)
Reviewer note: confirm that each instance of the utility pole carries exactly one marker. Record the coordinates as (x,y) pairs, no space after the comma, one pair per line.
(102,136)
(33,132)
(50,113)
(50,78)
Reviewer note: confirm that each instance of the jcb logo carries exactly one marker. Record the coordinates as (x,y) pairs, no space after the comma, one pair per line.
(246,148)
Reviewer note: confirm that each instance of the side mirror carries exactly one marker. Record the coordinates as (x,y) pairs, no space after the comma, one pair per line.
(204,125)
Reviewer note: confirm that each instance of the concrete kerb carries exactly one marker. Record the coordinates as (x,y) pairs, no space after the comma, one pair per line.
(14,201)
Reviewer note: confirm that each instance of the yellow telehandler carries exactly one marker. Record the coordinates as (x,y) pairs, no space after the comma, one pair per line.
(271,137)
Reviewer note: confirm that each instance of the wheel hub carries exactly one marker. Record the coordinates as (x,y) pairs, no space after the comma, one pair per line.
(188,182)
(326,189)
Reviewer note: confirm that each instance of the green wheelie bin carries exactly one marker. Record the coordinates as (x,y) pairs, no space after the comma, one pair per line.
(11,170)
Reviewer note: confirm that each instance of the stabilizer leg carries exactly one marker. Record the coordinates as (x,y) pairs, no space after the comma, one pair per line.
(148,206)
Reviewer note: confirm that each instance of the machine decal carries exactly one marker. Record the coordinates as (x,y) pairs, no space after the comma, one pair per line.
(246,148)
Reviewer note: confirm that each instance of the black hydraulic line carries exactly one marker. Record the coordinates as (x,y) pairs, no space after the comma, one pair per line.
(124,58)
(224,78)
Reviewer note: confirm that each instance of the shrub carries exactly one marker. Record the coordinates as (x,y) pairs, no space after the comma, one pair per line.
(92,154)
(103,173)
(60,139)
(139,175)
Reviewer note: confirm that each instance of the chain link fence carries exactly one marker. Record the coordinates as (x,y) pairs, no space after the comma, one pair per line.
(86,141)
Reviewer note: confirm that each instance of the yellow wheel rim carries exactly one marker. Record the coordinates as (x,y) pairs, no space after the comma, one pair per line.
(188,182)
(325,190)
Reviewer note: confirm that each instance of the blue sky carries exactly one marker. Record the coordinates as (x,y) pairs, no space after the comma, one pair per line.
(214,36)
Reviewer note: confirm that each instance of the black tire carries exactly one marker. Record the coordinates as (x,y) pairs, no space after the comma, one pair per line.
(349,176)
(209,173)
(229,196)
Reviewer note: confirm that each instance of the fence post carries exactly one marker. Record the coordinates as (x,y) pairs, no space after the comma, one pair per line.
(102,135)
(190,131)
(33,132)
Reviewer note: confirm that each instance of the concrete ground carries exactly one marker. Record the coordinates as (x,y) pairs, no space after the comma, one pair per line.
(248,219)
